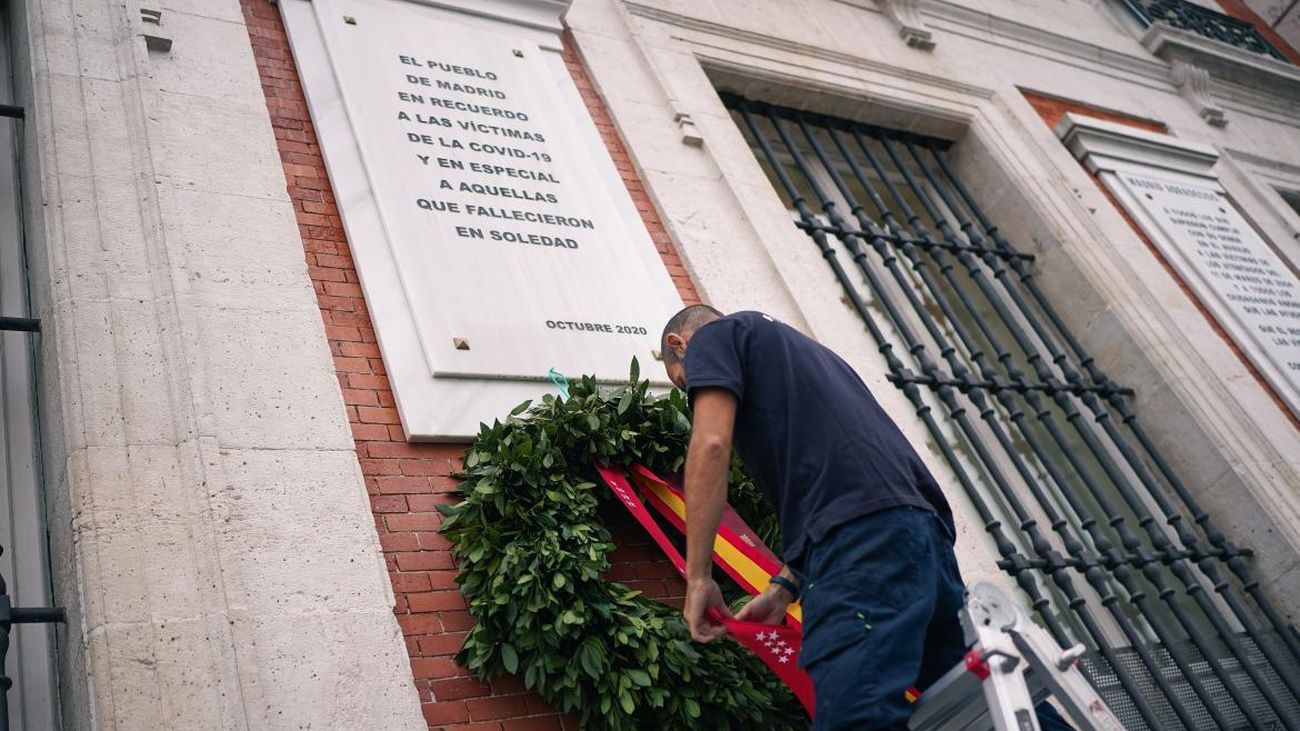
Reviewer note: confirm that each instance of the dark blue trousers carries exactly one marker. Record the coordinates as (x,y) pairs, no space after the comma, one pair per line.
(880,602)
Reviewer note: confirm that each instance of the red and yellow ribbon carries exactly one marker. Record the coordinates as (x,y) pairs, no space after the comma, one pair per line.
(737,549)
(776,646)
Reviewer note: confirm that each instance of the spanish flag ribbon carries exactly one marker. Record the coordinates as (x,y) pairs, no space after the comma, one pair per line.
(737,548)
(776,645)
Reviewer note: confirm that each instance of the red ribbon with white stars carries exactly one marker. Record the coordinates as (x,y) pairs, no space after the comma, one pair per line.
(776,645)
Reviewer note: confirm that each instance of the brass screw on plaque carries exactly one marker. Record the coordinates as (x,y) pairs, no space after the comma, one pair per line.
(460,343)
(349,20)
(518,53)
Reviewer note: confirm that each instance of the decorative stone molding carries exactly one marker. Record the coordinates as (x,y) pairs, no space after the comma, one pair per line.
(1225,62)
(690,133)
(1123,65)
(906,14)
(1194,83)
(154,38)
(1103,146)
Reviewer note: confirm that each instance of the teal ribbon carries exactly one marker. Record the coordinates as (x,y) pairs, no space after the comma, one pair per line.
(561,383)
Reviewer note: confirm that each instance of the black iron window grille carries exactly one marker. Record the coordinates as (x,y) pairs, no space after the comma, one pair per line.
(1092,522)
(11,615)
(1202,21)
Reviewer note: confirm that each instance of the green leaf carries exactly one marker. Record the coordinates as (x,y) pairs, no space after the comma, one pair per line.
(593,421)
(521,408)
(509,658)
(692,708)
(589,656)
(634,374)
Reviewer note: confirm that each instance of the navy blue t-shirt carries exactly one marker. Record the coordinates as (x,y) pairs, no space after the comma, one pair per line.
(811,435)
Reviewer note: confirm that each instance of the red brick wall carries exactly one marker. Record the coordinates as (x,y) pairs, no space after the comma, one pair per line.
(1052,109)
(406,481)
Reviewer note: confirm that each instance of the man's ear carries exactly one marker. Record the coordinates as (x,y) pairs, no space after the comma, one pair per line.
(677,343)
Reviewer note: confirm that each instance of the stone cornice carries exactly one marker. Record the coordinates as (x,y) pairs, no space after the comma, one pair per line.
(1223,61)
(1030,38)
(1257,160)
(1138,69)
(989,28)
(1102,146)
(652,12)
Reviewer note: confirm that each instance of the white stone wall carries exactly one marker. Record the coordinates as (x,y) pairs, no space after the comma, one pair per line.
(210,531)
(654,61)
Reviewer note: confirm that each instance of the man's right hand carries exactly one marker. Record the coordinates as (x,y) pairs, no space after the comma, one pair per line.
(700,597)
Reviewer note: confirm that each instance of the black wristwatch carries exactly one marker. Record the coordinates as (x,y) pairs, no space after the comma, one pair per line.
(788,585)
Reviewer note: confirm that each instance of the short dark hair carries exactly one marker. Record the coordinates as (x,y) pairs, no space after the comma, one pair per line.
(687,318)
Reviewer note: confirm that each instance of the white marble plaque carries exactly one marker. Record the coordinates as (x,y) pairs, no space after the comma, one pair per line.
(1234,272)
(494,238)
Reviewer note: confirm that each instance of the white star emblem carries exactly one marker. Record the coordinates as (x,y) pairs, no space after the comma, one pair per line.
(783,659)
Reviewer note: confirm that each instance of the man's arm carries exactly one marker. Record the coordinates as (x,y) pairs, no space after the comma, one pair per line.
(707,464)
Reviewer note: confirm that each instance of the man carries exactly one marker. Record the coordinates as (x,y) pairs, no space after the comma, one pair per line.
(868,536)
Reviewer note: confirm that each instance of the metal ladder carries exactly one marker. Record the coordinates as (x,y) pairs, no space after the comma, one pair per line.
(1013,665)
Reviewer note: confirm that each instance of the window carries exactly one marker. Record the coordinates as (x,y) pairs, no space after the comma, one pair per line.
(1092,522)
(1292,198)
(1203,19)
(23,565)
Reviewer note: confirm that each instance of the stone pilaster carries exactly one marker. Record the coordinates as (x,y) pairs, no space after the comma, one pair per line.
(210,530)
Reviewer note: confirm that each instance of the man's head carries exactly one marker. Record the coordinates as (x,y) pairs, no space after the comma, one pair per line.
(677,333)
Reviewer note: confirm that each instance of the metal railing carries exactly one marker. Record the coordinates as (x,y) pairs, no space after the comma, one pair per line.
(1204,22)
(1053,441)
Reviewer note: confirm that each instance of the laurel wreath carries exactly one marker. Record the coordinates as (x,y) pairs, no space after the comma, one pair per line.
(532,551)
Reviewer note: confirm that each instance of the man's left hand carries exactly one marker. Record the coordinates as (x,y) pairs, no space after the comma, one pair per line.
(768,607)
